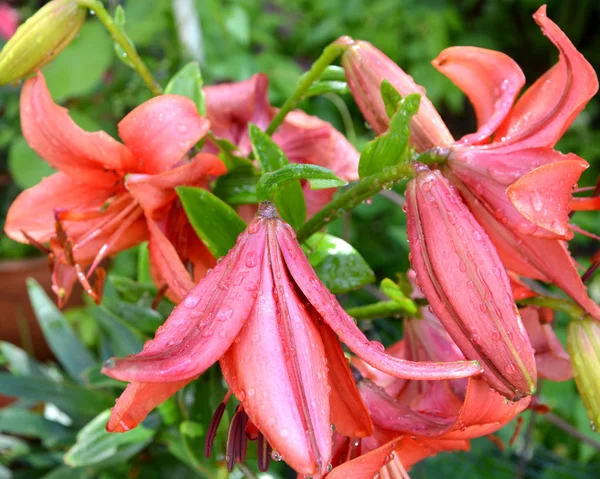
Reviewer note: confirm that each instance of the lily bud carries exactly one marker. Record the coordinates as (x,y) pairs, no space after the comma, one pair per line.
(366,67)
(583,344)
(462,277)
(40,39)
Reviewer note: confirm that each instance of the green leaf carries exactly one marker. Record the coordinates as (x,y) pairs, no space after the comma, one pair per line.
(120,22)
(61,338)
(330,86)
(237,24)
(123,339)
(143,266)
(238,187)
(25,166)
(65,472)
(138,316)
(95,446)
(318,177)
(215,222)
(390,97)
(192,429)
(22,422)
(392,147)
(289,199)
(395,293)
(20,363)
(74,400)
(80,68)
(338,265)
(188,82)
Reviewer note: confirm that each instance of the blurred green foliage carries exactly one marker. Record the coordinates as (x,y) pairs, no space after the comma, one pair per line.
(231,40)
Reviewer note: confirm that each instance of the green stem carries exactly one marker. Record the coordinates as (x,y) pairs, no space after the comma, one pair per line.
(118,36)
(353,196)
(382,309)
(330,53)
(573,310)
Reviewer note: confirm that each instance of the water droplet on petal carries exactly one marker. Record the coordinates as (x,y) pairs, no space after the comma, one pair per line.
(496,336)
(276,456)
(510,369)
(191,301)
(251,259)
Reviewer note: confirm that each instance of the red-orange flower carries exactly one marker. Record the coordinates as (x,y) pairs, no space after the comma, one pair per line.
(85,210)
(517,186)
(265,315)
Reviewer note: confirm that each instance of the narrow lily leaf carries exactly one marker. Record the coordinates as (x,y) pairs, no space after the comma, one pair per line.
(65,472)
(74,400)
(289,199)
(337,264)
(322,87)
(12,448)
(120,22)
(333,73)
(238,187)
(20,363)
(318,177)
(143,266)
(395,293)
(94,445)
(188,82)
(138,316)
(22,422)
(123,340)
(215,222)
(390,97)
(61,338)
(391,147)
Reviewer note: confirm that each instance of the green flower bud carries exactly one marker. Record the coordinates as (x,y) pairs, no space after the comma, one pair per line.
(40,39)
(584,347)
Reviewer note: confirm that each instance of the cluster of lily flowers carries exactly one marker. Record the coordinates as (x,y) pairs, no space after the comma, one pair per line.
(496,209)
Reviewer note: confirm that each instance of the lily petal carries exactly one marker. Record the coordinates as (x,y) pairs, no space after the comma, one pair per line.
(93,158)
(155,191)
(550,105)
(543,195)
(412,449)
(349,415)
(166,266)
(137,401)
(365,465)
(33,210)
(552,360)
(161,131)
(343,325)
(205,324)
(231,106)
(491,80)
(276,357)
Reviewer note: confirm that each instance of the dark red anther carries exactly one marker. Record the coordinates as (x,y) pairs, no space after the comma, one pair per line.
(263,451)
(237,442)
(213,427)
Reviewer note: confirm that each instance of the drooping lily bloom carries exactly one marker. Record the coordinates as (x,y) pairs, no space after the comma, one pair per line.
(85,210)
(230,107)
(462,277)
(417,419)
(518,187)
(9,20)
(265,315)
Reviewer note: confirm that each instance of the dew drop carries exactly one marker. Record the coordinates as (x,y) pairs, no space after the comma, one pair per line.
(253,228)
(276,456)
(255,338)
(241,395)
(377,345)
(191,301)
(496,336)
(510,369)
(251,259)
(483,308)
(462,267)
(593,426)
(536,200)
(109,364)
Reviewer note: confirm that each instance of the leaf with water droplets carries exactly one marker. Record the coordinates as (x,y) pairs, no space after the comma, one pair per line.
(337,264)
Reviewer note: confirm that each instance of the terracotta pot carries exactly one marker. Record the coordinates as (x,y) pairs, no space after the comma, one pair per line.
(19,325)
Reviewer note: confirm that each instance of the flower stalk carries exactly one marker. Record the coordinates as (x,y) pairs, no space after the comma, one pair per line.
(119,37)
(330,53)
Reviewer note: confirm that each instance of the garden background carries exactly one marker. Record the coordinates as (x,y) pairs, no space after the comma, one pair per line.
(233,40)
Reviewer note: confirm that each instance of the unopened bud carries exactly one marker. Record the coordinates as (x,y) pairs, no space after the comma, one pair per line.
(583,344)
(462,277)
(40,39)
(366,67)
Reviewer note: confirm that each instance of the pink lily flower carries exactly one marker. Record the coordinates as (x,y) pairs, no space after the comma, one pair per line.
(462,277)
(85,210)
(9,20)
(230,107)
(418,419)
(517,186)
(264,314)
